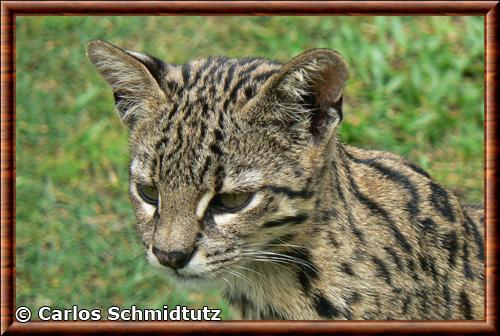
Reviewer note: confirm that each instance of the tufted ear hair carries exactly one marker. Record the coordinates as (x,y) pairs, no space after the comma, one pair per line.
(309,89)
(135,79)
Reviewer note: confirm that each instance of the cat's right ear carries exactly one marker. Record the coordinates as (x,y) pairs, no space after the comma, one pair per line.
(134,78)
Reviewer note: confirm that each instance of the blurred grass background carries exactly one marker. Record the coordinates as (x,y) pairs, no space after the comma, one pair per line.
(416,88)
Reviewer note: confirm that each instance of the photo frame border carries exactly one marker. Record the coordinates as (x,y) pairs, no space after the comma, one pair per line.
(11,9)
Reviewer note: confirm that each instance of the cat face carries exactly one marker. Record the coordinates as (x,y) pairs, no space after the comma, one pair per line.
(226,153)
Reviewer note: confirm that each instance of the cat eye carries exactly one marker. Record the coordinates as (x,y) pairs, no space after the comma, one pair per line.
(228,202)
(148,193)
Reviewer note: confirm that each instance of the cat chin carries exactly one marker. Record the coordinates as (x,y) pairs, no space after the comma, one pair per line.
(191,282)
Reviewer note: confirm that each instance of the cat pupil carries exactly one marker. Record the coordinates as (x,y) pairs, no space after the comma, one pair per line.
(233,200)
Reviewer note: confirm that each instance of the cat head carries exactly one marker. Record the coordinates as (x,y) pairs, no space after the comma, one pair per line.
(226,154)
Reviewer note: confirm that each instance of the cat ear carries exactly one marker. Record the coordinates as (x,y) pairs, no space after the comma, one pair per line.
(309,90)
(134,78)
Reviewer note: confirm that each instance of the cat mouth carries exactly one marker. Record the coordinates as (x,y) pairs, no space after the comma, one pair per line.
(186,277)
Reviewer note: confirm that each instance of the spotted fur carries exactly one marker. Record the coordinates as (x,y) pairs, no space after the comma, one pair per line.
(332,231)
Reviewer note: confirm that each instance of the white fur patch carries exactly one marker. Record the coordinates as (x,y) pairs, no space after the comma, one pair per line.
(197,265)
(245,179)
(140,56)
(203,203)
(226,218)
(137,169)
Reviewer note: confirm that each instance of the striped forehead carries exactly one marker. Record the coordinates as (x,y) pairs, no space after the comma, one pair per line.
(220,80)
(204,95)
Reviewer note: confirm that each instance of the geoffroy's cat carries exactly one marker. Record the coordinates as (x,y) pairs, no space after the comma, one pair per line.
(238,179)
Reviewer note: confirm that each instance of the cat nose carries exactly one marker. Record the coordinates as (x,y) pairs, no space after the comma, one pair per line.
(174,259)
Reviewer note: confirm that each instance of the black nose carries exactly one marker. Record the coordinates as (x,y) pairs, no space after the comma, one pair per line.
(174,259)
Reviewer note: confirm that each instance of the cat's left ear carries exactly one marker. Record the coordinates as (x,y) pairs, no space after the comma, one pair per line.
(308,90)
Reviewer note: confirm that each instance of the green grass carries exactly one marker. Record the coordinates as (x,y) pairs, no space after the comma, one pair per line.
(416,88)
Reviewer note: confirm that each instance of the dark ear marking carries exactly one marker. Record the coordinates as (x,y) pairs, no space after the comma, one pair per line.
(309,89)
(155,66)
(322,118)
(136,79)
